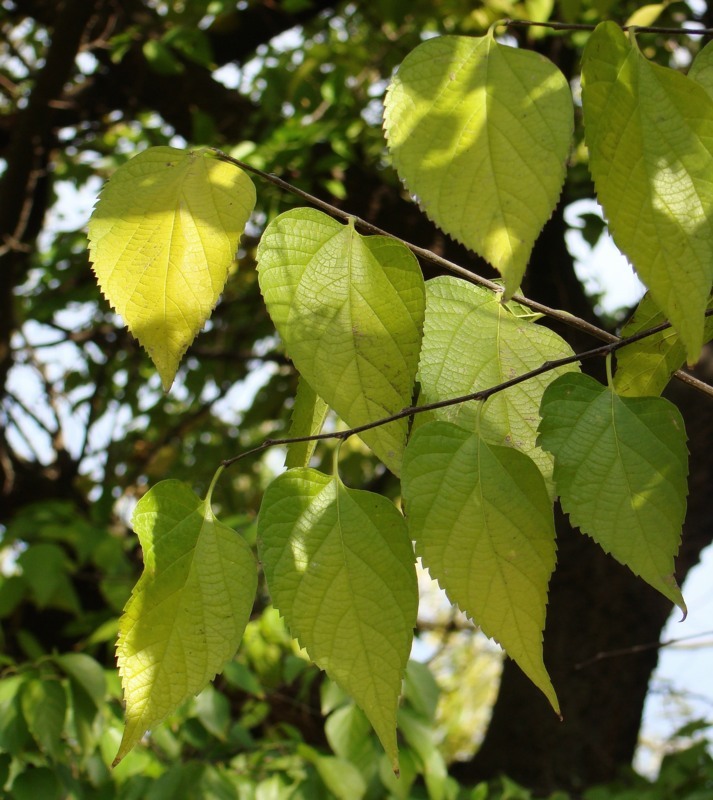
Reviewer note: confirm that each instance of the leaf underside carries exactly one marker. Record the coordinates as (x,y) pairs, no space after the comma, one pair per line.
(480,133)
(621,465)
(187,613)
(649,131)
(644,368)
(340,568)
(349,309)
(162,238)
(482,521)
(471,341)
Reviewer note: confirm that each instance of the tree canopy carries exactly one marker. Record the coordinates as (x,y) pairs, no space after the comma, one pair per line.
(452,340)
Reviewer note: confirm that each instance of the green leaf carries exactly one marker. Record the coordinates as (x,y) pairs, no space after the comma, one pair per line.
(14,733)
(188,611)
(88,689)
(308,415)
(645,367)
(86,673)
(620,466)
(349,309)
(162,238)
(649,131)
(480,133)
(482,522)
(340,568)
(37,782)
(471,342)
(349,735)
(701,70)
(44,706)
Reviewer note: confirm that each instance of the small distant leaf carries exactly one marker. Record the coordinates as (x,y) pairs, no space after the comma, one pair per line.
(480,133)
(87,673)
(645,367)
(471,342)
(649,131)
(620,467)
(482,522)
(349,309)
(340,568)
(308,416)
(162,239)
(189,609)
(44,706)
(646,15)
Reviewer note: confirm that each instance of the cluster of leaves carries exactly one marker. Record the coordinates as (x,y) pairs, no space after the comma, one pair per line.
(480,134)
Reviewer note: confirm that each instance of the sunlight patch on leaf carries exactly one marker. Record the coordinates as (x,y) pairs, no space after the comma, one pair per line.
(480,133)
(649,131)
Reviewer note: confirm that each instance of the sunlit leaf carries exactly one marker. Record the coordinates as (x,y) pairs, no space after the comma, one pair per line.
(649,131)
(350,311)
(620,467)
(340,568)
(162,239)
(189,609)
(471,341)
(480,133)
(482,521)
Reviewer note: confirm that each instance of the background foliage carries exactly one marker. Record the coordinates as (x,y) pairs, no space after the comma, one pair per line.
(86,427)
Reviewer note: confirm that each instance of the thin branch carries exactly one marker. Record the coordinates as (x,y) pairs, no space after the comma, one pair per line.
(577,26)
(553,313)
(481,395)
(639,648)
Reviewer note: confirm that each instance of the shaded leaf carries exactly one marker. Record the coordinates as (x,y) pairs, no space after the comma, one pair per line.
(620,467)
(482,522)
(162,239)
(308,415)
(480,132)
(188,611)
(645,367)
(340,568)
(350,311)
(649,131)
(44,706)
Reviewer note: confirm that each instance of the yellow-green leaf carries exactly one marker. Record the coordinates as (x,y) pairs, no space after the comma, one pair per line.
(645,367)
(480,133)
(308,415)
(620,467)
(471,341)
(188,611)
(482,521)
(701,70)
(340,568)
(162,239)
(349,309)
(649,131)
